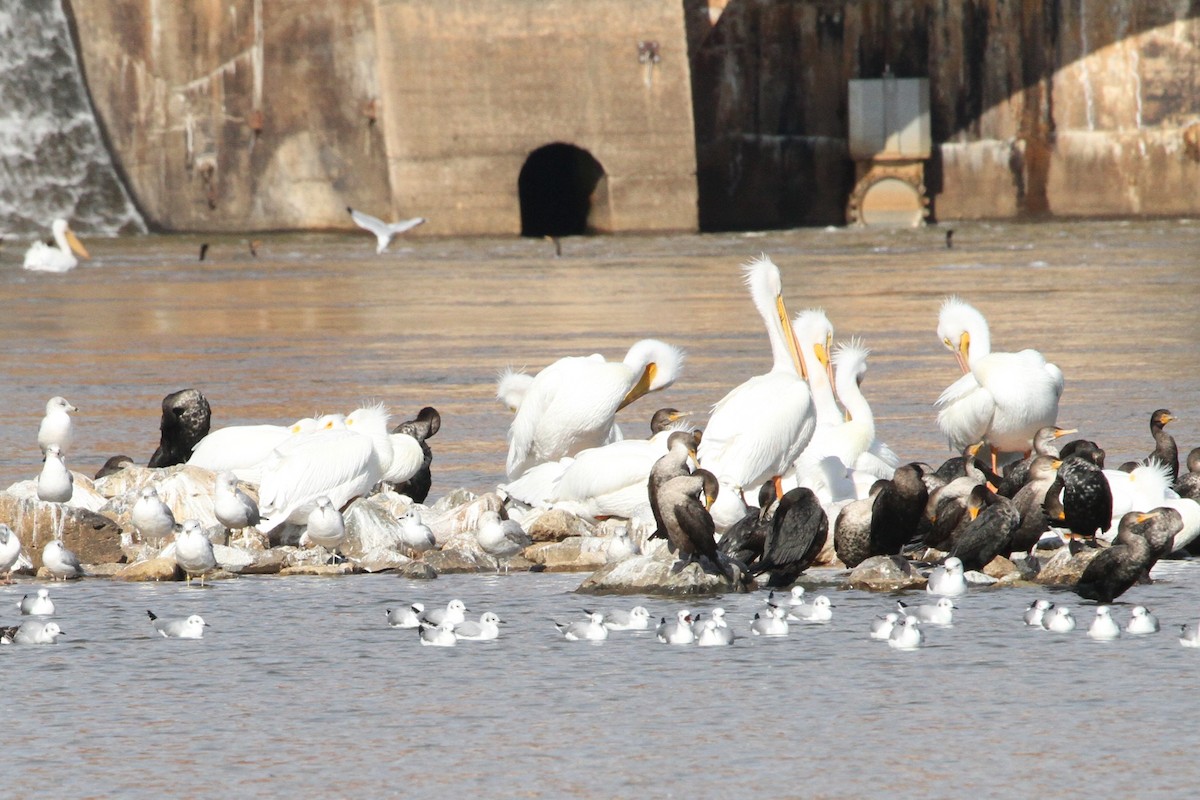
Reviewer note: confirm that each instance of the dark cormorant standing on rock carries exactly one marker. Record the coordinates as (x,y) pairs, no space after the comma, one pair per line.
(688,525)
(425,426)
(745,539)
(988,535)
(1017,473)
(1188,484)
(897,510)
(680,446)
(1082,499)
(1030,503)
(186,416)
(1120,566)
(798,532)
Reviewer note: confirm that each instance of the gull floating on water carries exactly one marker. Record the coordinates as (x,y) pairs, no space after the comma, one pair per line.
(635,619)
(948,580)
(940,614)
(820,610)
(486,629)
(190,628)
(453,614)
(438,635)
(1058,619)
(32,632)
(716,616)
(678,631)
(1104,627)
(907,635)
(41,257)
(773,624)
(61,562)
(384,231)
(882,626)
(1189,634)
(714,635)
(591,630)
(1036,611)
(1141,621)
(56,425)
(39,605)
(405,617)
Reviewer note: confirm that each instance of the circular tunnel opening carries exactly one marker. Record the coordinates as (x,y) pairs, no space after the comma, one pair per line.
(561,189)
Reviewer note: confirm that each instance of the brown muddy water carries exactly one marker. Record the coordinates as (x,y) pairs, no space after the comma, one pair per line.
(299,687)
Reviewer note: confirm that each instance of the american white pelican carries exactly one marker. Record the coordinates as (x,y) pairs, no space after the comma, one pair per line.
(55,427)
(407,458)
(873,456)
(340,464)
(41,257)
(511,386)
(757,430)
(570,405)
(384,231)
(1003,398)
(241,447)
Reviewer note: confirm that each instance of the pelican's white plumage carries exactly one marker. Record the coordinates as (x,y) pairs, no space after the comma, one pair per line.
(56,427)
(570,405)
(759,428)
(407,458)
(384,231)
(511,386)
(1146,486)
(1001,397)
(340,464)
(241,447)
(41,257)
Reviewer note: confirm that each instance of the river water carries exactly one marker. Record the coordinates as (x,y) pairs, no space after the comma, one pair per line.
(299,687)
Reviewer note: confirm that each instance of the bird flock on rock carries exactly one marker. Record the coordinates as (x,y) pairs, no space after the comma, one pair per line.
(787,471)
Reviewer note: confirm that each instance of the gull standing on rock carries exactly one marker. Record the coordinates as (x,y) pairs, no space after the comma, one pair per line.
(501,538)
(55,483)
(189,628)
(31,632)
(416,535)
(232,507)
(40,605)
(326,527)
(152,518)
(194,552)
(61,562)
(10,551)
(56,425)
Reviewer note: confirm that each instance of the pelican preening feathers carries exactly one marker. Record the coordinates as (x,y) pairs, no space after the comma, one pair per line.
(1002,398)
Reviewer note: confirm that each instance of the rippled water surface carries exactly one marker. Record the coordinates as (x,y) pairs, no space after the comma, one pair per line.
(300,687)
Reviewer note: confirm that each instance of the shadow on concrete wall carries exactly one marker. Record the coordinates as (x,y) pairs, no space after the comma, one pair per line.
(558,189)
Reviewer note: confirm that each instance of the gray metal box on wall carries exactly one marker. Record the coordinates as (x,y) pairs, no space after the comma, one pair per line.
(889,118)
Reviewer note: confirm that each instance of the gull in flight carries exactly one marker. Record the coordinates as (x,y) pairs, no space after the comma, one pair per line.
(384,231)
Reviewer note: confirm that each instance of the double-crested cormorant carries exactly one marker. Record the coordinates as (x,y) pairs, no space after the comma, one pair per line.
(896,512)
(1115,569)
(1165,449)
(680,447)
(427,423)
(186,416)
(689,526)
(1030,502)
(1017,473)
(798,532)
(1188,484)
(1080,498)
(988,535)
(745,539)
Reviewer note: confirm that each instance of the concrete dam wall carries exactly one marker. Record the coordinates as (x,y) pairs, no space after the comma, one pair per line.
(552,116)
